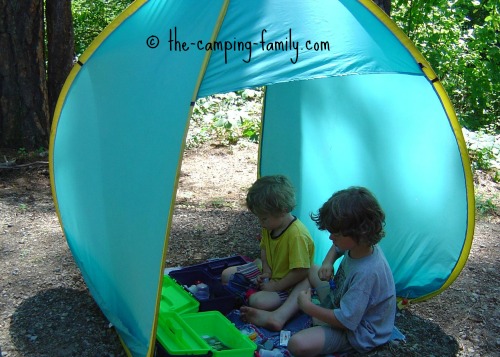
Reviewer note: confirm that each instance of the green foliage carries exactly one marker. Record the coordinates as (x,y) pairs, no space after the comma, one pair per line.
(90,17)
(219,202)
(22,153)
(496,177)
(459,38)
(482,158)
(485,206)
(226,118)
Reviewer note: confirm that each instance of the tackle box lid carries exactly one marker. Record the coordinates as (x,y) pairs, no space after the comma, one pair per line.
(174,298)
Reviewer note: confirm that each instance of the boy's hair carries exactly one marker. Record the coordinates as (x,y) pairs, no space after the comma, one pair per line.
(352,212)
(271,195)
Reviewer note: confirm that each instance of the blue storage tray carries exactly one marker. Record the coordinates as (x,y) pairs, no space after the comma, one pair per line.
(215,267)
(221,299)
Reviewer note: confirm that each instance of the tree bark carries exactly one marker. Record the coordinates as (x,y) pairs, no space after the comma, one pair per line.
(384,5)
(23,89)
(60,48)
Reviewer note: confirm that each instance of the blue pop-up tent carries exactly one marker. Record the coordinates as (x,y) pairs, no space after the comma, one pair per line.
(349,101)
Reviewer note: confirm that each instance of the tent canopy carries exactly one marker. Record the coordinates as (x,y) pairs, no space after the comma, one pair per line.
(349,101)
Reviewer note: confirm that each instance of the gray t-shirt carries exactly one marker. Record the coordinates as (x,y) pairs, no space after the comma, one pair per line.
(364,299)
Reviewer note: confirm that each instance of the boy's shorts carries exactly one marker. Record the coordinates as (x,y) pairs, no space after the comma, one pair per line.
(335,341)
(244,281)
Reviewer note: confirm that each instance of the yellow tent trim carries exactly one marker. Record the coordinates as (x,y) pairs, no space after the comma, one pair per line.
(433,78)
(203,69)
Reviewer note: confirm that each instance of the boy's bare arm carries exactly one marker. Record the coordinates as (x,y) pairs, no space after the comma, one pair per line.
(293,277)
(331,256)
(265,265)
(326,270)
(323,314)
(316,311)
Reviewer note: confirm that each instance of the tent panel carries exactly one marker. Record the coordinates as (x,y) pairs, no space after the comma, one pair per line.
(357,41)
(116,154)
(390,135)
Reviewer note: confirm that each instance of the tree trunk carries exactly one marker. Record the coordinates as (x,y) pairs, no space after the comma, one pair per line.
(23,90)
(60,48)
(384,5)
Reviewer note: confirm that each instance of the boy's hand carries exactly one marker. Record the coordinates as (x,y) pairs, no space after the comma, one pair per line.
(304,298)
(263,280)
(325,272)
(270,285)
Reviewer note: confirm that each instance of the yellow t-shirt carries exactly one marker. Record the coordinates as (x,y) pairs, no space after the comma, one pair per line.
(294,248)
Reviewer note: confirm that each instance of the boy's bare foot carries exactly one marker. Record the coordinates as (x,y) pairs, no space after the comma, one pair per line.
(261,318)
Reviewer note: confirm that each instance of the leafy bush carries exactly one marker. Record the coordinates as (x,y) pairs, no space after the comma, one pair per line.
(482,158)
(226,118)
(90,17)
(485,206)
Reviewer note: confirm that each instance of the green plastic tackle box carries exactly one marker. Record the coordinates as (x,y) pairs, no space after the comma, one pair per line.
(182,331)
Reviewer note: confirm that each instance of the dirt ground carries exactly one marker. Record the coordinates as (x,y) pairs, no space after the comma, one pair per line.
(46,310)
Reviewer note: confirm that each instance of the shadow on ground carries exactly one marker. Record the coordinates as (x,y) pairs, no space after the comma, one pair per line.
(47,325)
(423,337)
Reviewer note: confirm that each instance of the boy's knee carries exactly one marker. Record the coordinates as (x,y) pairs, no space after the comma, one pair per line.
(255,301)
(295,346)
(264,301)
